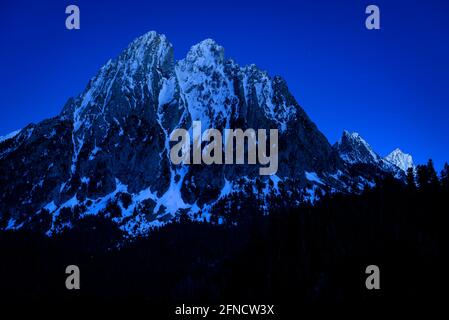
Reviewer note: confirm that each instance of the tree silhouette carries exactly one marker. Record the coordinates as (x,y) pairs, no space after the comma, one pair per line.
(445,176)
(427,176)
(310,253)
(422,176)
(433,177)
(411,178)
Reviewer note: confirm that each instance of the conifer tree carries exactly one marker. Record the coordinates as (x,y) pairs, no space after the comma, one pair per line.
(433,177)
(411,178)
(444,176)
(422,176)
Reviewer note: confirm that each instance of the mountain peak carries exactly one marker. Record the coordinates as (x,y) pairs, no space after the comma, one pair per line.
(354,149)
(206,53)
(135,71)
(400,159)
(351,135)
(149,38)
(150,45)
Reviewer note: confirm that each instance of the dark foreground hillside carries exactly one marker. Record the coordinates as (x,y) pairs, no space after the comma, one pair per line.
(313,255)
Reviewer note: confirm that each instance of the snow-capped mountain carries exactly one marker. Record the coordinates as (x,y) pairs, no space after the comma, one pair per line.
(107,153)
(400,159)
(352,149)
(355,151)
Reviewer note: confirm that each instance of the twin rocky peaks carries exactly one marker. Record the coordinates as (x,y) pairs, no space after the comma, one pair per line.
(107,153)
(354,149)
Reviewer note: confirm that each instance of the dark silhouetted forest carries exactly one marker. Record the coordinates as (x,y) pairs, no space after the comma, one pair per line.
(312,255)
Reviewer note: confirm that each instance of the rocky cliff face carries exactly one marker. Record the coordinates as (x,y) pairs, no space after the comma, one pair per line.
(107,153)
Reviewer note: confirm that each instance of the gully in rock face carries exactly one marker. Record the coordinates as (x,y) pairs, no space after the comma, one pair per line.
(212,152)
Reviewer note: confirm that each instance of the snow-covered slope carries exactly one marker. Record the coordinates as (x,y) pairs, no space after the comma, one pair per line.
(9,136)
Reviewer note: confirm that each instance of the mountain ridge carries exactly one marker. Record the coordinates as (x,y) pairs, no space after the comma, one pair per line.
(107,152)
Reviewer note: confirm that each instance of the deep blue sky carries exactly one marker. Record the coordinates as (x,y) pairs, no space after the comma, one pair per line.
(390,85)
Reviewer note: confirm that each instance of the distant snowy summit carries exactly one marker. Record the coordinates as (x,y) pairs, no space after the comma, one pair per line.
(400,159)
(353,149)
